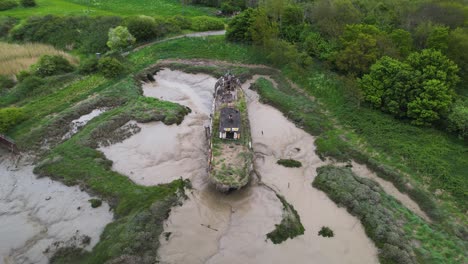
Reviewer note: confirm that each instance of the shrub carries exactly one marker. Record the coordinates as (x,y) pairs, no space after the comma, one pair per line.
(164,27)
(6,24)
(110,67)
(95,203)
(204,23)
(49,65)
(6,82)
(120,39)
(27,86)
(181,21)
(22,75)
(142,27)
(7,4)
(458,119)
(9,117)
(289,163)
(326,232)
(28,3)
(239,27)
(89,65)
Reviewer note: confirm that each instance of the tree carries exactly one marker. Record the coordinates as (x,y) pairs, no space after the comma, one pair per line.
(262,30)
(387,86)
(458,118)
(120,39)
(433,100)
(239,27)
(110,67)
(438,38)
(457,46)
(359,49)
(402,41)
(331,17)
(421,88)
(432,64)
(142,27)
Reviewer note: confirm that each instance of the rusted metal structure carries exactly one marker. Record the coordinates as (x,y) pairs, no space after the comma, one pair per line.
(8,144)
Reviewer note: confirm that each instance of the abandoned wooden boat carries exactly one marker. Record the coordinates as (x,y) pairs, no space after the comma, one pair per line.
(230,155)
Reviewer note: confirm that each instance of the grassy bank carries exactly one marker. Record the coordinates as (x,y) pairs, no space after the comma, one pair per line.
(290,226)
(393,228)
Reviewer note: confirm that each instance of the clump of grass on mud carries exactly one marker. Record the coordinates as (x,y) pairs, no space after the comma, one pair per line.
(17,57)
(290,163)
(325,231)
(290,225)
(401,236)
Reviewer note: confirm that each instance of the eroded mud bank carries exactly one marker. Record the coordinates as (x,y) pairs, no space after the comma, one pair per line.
(39,215)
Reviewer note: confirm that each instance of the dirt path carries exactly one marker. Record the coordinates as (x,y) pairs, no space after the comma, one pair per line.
(188,35)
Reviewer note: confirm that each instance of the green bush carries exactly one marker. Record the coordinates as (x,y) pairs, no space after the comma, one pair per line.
(6,24)
(205,23)
(28,3)
(9,117)
(239,27)
(326,232)
(120,39)
(6,82)
(89,65)
(164,27)
(181,21)
(110,67)
(458,119)
(7,4)
(290,163)
(143,28)
(95,203)
(22,75)
(49,65)
(28,85)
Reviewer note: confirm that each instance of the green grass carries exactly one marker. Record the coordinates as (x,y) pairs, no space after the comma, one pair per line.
(290,163)
(290,226)
(101,7)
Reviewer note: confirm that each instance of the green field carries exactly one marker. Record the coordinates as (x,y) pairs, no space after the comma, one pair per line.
(100,7)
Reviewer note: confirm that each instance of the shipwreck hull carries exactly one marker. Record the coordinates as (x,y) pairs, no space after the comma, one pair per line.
(230,154)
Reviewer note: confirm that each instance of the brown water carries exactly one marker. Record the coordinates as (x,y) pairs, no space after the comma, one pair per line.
(36,213)
(215,228)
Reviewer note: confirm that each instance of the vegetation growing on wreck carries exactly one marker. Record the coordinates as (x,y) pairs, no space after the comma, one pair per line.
(290,226)
(290,163)
(391,226)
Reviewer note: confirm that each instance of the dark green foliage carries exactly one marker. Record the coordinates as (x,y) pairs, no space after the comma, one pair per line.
(26,87)
(95,203)
(325,231)
(181,22)
(458,119)
(49,65)
(28,3)
(110,67)
(6,82)
(143,28)
(317,46)
(422,88)
(205,23)
(290,226)
(86,33)
(22,75)
(9,117)
(363,198)
(7,4)
(166,26)
(290,163)
(88,65)
(6,24)
(239,27)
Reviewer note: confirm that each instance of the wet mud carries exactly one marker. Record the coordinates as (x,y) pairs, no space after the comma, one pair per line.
(211,227)
(38,216)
